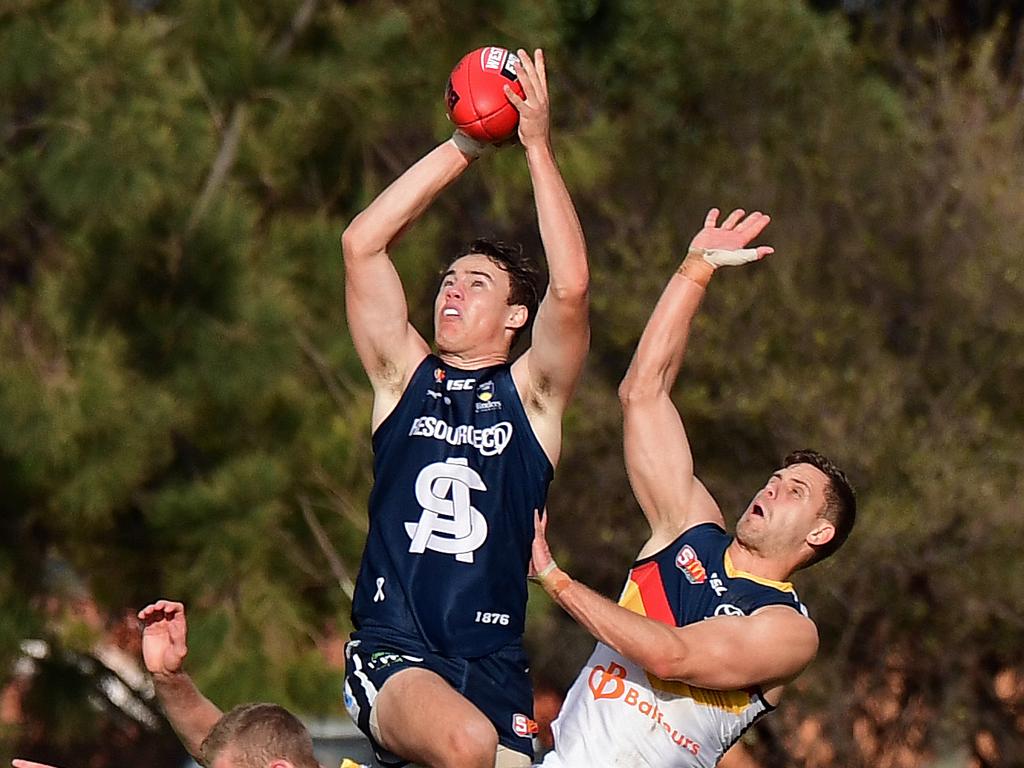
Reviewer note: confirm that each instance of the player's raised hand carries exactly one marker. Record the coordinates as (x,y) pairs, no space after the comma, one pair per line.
(733,234)
(534,117)
(164,636)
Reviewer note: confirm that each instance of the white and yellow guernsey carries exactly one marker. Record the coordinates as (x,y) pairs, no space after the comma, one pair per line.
(616,714)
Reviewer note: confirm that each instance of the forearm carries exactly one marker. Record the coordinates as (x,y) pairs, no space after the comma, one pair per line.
(648,643)
(662,346)
(559,224)
(190,713)
(404,201)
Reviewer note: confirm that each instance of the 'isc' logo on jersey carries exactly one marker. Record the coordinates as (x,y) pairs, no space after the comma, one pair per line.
(691,566)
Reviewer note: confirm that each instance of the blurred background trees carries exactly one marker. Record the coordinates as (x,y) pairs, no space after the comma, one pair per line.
(182,413)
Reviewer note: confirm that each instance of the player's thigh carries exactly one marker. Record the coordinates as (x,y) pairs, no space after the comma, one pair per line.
(499,685)
(420,716)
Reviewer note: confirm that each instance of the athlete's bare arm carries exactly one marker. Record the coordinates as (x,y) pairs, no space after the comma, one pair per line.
(164,638)
(378,317)
(725,653)
(547,374)
(658,458)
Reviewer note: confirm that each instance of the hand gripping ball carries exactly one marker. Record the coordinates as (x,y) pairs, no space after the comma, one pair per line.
(476,98)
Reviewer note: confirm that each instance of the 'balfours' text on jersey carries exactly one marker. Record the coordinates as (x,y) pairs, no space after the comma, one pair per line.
(458,472)
(618,714)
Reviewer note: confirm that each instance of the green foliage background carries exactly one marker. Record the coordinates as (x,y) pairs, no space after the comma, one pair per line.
(181,408)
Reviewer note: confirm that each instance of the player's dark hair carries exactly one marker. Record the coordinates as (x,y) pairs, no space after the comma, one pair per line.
(258,734)
(840,500)
(523,273)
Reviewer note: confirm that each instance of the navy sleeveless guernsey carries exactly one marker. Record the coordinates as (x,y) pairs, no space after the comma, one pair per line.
(458,472)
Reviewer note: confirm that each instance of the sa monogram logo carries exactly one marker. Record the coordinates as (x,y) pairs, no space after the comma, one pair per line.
(450,524)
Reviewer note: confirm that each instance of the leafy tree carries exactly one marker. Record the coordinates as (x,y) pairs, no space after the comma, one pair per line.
(183,414)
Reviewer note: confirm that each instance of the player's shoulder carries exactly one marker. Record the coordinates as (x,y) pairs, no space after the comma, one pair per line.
(785,613)
(706,534)
(787,625)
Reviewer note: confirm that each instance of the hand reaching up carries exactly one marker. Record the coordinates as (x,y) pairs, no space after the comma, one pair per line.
(164,636)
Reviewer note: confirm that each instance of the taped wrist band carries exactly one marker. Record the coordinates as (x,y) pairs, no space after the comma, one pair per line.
(469,146)
(547,569)
(696,269)
(555,581)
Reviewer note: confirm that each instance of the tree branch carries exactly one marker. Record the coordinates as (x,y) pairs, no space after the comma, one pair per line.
(228,151)
(333,558)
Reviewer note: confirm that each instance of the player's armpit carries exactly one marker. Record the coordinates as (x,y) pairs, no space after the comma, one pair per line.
(546,374)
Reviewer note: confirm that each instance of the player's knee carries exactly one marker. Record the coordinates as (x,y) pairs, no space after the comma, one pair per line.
(472,743)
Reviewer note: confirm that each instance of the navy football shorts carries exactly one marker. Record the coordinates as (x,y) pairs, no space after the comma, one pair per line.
(497,684)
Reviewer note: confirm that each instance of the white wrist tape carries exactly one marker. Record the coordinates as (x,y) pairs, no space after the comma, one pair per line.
(718,257)
(469,146)
(547,570)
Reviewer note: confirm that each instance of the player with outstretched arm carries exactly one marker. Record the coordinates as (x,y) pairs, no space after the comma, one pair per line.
(708,630)
(465,442)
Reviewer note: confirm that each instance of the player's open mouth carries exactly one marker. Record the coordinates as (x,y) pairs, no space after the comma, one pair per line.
(449,312)
(757,510)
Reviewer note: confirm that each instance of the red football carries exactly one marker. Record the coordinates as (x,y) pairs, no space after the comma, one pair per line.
(476,97)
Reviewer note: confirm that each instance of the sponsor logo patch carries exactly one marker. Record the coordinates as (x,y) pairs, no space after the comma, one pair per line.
(460,385)
(524,726)
(439,375)
(485,398)
(728,609)
(383,659)
(509,70)
(493,57)
(691,566)
(610,684)
(499,60)
(490,441)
